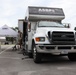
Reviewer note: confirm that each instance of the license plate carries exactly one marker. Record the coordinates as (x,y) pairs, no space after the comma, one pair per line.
(64,52)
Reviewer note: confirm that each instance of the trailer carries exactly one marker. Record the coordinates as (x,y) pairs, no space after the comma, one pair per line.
(46,34)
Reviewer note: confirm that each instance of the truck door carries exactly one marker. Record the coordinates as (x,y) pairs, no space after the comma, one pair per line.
(25,32)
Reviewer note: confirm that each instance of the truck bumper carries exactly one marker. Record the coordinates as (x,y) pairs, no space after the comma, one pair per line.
(56,49)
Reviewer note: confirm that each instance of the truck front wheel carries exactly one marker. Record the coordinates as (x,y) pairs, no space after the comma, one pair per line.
(36,55)
(72,56)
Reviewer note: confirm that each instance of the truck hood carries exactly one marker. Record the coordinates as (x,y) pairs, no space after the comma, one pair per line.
(46,29)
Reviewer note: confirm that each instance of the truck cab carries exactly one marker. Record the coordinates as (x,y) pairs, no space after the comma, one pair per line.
(48,35)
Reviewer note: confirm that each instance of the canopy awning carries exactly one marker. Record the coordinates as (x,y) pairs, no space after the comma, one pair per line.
(6,31)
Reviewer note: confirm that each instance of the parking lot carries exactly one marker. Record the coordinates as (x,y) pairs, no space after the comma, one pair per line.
(14,63)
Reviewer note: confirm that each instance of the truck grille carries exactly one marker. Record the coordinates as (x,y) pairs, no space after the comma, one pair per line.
(63,37)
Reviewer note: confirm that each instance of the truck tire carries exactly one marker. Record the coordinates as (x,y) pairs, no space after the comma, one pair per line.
(36,55)
(72,56)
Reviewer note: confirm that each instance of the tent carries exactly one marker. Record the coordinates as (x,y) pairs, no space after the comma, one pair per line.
(6,31)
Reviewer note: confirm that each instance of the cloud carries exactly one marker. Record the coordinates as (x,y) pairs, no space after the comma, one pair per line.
(12,10)
(69,7)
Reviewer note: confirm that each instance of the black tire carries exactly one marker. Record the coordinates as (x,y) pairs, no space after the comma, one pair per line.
(72,56)
(36,56)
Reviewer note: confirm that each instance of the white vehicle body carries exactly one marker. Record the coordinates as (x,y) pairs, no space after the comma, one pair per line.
(20,25)
(59,40)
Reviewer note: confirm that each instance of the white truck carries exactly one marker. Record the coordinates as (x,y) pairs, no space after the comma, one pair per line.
(45,34)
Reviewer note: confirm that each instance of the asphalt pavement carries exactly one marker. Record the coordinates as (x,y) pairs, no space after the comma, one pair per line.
(12,63)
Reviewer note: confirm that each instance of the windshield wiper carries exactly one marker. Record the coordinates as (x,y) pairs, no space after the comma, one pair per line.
(57,26)
(42,26)
(52,26)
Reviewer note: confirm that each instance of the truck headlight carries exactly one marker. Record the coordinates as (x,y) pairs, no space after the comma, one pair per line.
(40,39)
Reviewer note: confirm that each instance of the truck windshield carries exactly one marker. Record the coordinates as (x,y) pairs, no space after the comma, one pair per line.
(50,24)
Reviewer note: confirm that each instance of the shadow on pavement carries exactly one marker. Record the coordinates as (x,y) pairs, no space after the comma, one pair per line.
(57,60)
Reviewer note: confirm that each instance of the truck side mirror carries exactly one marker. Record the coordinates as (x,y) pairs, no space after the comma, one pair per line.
(29,27)
(67,25)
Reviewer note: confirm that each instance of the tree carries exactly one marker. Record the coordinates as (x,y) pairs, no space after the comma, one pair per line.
(16,28)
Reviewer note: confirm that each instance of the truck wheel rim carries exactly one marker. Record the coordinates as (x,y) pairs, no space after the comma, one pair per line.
(34,54)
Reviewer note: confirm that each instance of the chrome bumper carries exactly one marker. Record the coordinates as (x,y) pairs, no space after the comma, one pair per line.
(56,49)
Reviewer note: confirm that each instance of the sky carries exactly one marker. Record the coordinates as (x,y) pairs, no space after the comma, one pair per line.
(12,10)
